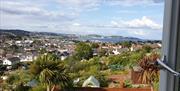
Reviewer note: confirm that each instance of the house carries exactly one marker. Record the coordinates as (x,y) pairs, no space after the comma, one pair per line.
(118,51)
(11,61)
(64,55)
(115,52)
(136,47)
(19,43)
(28,58)
(155,45)
(28,41)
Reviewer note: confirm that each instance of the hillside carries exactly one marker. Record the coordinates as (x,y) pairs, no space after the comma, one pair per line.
(14,33)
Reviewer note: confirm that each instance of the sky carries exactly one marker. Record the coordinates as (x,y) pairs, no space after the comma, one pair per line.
(130,18)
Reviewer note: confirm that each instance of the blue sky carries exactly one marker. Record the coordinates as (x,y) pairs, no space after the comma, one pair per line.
(135,18)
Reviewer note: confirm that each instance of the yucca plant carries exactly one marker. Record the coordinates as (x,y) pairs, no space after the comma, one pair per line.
(49,71)
(150,72)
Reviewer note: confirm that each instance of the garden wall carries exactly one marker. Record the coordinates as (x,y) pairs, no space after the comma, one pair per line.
(109,89)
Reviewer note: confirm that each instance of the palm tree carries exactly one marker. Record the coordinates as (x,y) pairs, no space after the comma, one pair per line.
(50,72)
(150,71)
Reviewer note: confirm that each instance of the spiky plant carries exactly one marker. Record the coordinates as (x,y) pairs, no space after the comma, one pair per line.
(150,72)
(49,71)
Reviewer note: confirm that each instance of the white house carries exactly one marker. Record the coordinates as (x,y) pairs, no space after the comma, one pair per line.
(19,43)
(11,61)
(28,41)
(116,52)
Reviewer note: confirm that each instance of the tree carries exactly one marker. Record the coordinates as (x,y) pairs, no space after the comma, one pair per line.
(147,48)
(42,50)
(21,87)
(83,51)
(50,72)
(94,45)
(126,44)
(102,52)
(2,69)
(103,80)
(13,49)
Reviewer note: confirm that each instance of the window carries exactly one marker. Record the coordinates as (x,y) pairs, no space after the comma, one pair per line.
(171,43)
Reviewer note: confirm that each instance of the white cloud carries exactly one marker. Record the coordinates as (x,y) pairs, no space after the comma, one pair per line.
(29,10)
(114,23)
(80,5)
(143,23)
(76,24)
(134,2)
(138,32)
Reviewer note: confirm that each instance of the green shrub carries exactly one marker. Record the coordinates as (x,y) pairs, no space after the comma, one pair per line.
(127,84)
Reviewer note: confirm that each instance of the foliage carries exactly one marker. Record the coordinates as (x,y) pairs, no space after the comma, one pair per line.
(42,50)
(16,80)
(48,70)
(150,72)
(39,87)
(156,86)
(102,52)
(19,77)
(83,51)
(122,59)
(116,67)
(17,65)
(94,45)
(13,49)
(147,48)
(103,80)
(2,69)
(101,65)
(128,84)
(21,87)
(125,44)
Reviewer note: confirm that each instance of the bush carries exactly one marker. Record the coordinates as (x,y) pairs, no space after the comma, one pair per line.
(38,88)
(127,84)
(83,51)
(20,87)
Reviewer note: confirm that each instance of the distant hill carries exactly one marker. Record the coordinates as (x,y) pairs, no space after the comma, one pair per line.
(17,32)
(94,35)
(113,38)
(14,32)
(45,34)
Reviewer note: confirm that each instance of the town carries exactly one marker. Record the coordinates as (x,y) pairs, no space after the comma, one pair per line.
(81,63)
